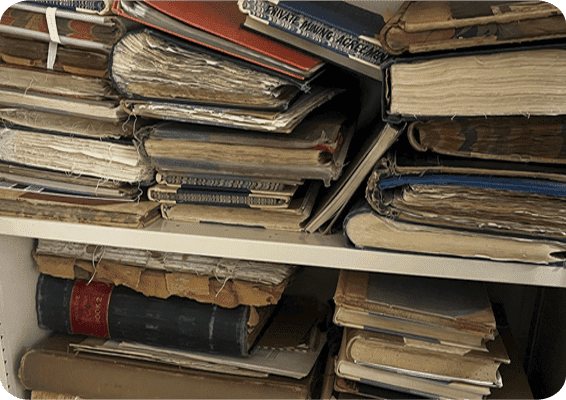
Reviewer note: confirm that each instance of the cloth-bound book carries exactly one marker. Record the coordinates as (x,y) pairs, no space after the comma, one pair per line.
(424,26)
(104,310)
(453,313)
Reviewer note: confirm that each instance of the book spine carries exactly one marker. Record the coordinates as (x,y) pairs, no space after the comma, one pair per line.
(322,34)
(117,312)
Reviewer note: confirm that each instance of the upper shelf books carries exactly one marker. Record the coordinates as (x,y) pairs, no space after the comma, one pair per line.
(362,37)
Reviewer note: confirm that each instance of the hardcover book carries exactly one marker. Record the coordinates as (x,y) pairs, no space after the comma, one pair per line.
(347,368)
(531,205)
(52,365)
(104,310)
(366,229)
(287,219)
(95,32)
(424,26)
(279,121)
(66,124)
(215,79)
(34,53)
(42,180)
(77,209)
(106,159)
(519,80)
(455,313)
(340,32)
(172,178)
(536,139)
(422,359)
(218,26)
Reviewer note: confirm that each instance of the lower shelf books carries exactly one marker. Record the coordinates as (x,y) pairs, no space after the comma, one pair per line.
(51,366)
(100,309)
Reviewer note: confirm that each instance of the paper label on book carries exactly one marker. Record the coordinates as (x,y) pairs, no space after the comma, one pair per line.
(89,308)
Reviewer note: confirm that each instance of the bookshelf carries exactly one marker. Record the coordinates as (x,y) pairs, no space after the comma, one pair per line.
(18,328)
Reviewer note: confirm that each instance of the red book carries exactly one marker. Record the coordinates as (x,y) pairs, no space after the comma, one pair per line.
(218,25)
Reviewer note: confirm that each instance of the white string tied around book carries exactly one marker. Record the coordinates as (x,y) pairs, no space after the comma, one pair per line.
(53,36)
(95,264)
(227,266)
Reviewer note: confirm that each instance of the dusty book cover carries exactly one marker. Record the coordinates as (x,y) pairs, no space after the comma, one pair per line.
(424,26)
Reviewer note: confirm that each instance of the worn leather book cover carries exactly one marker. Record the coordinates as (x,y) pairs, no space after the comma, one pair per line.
(413,301)
(52,365)
(34,53)
(218,25)
(118,312)
(424,26)
(536,139)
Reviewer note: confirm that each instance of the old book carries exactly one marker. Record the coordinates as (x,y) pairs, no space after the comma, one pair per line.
(74,209)
(217,25)
(287,219)
(46,181)
(517,80)
(118,312)
(106,159)
(216,79)
(34,53)
(66,124)
(455,313)
(31,79)
(280,121)
(315,142)
(531,205)
(534,139)
(347,368)
(441,25)
(105,110)
(221,268)
(95,32)
(337,196)
(418,358)
(227,293)
(345,33)
(290,346)
(51,365)
(367,229)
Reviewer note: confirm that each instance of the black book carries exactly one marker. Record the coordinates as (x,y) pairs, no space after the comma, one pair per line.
(117,312)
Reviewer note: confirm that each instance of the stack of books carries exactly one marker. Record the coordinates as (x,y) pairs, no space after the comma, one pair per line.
(66,148)
(419,336)
(174,319)
(248,136)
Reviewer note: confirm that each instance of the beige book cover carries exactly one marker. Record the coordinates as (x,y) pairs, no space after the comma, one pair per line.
(424,26)
(458,306)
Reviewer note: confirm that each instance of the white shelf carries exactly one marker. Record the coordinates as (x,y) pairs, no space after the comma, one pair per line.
(285,247)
